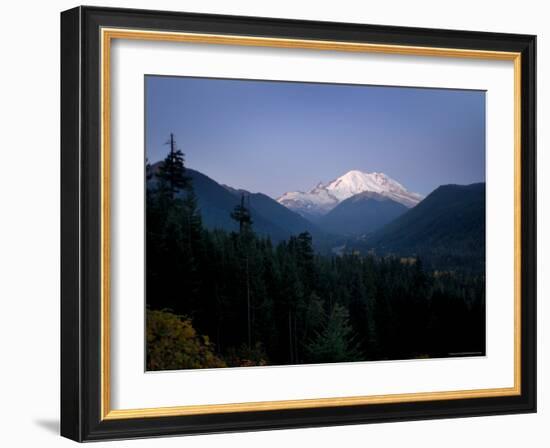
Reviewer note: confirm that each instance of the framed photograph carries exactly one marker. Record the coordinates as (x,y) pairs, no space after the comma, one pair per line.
(273,223)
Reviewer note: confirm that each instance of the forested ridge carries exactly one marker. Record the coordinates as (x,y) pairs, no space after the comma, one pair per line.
(217,298)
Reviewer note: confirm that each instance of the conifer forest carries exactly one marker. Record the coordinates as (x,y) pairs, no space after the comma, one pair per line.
(234,296)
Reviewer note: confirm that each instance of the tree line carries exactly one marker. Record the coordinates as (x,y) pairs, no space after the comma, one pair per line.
(218,298)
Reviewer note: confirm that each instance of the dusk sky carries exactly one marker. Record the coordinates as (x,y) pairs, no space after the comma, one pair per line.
(273,137)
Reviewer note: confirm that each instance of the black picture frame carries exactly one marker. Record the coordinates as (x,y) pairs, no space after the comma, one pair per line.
(81,224)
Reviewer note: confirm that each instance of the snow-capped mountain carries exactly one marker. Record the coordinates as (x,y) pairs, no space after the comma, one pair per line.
(324,197)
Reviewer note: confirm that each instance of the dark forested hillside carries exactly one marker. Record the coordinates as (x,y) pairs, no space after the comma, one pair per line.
(447,228)
(216,202)
(233,297)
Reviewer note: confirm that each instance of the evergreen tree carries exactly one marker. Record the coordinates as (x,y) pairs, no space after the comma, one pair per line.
(173,234)
(334,343)
(172,177)
(242,215)
(305,255)
(192,218)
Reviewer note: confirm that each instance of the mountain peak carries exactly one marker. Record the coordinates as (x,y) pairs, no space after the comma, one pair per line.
(324,197)
(353,173)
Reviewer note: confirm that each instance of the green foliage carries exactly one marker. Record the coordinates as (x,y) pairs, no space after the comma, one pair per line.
(334,342)
(173,343)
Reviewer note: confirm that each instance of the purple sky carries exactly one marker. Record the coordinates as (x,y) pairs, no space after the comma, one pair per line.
(274,137)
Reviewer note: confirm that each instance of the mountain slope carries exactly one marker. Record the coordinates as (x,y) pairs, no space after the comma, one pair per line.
(361,214)
(216,202)
(324,197)
(291,222)
(447,226)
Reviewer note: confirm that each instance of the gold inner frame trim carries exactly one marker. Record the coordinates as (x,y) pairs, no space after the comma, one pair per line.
(107,35)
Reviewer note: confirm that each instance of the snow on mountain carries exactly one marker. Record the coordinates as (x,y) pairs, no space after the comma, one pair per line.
(324,197)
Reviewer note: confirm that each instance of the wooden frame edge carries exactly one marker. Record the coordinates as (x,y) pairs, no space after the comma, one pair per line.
(107,34)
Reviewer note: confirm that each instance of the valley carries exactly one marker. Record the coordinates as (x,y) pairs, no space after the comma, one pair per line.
(360,212)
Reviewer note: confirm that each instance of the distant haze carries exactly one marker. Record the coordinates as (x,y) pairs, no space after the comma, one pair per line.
(274,137)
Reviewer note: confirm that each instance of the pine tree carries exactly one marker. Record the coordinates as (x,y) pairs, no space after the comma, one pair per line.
(191,214)
(334,343)
(242,215)
(171,174)
(174,233)
(304,244)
